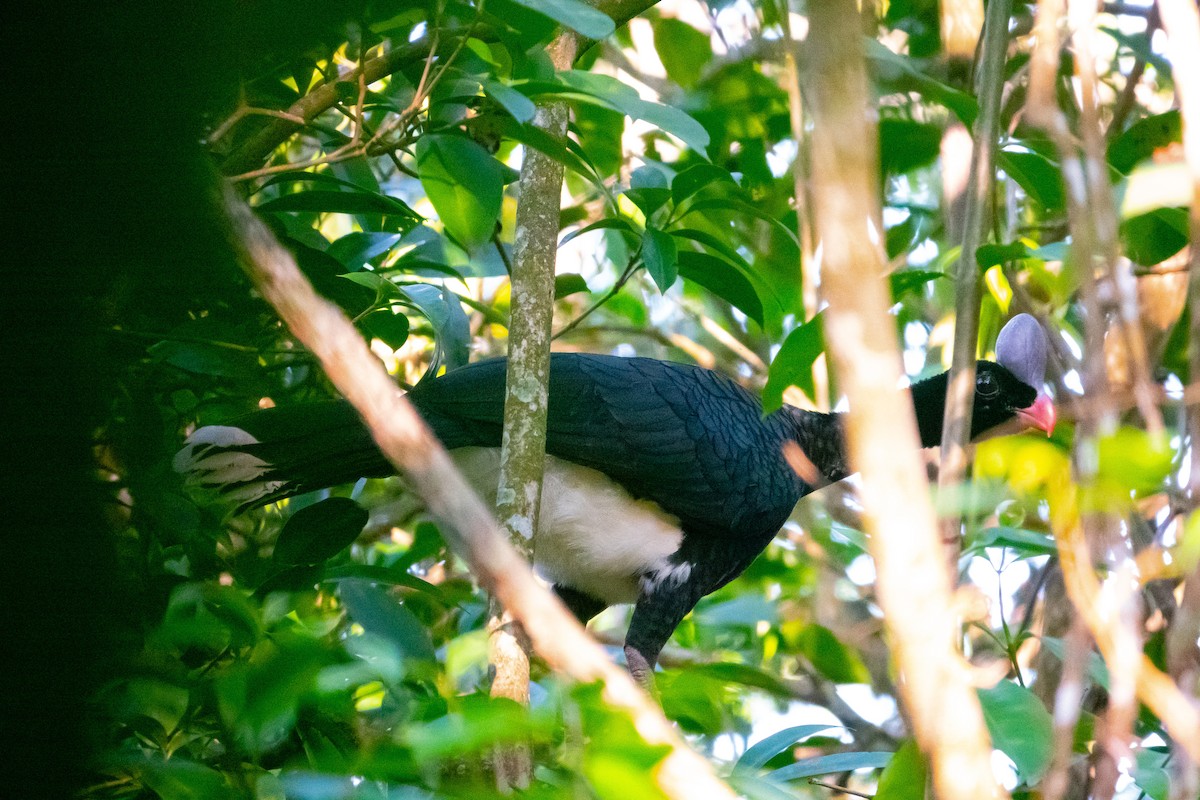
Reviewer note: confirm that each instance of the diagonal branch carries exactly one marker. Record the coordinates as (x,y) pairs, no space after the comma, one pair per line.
(403,437)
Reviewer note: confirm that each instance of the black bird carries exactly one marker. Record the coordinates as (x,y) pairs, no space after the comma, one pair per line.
(663,481)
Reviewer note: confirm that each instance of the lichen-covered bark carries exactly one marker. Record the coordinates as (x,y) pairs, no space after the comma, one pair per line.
(914,585)
(523,446)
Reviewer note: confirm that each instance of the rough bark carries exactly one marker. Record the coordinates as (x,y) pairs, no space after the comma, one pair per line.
(523,447)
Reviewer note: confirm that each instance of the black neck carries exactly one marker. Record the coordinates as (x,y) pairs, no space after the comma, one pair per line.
(820,435)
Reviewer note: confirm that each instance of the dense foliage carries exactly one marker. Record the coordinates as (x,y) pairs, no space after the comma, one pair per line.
(329,646)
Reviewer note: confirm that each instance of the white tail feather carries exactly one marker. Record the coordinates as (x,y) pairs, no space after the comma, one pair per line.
(205,462)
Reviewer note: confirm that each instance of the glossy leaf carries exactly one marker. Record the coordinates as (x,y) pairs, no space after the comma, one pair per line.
(661,258)
(825,765)
(574,14)
(326,201)
(464,183)
(792,365)
(625,99)
(757,755)
(722,279)
(1037,176)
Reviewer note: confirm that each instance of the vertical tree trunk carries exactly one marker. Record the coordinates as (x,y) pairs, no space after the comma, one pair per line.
(523,448)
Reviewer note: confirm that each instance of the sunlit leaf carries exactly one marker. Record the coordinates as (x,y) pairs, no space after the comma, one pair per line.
(683,50)
(1020,727)
(464,184)
(574,14)
(792,365)
(825,765)
(761,752)
(905,775)
(661,258)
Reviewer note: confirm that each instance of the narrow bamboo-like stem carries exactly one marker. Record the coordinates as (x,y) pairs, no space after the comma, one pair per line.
(403,437)
(1182,24)
(914,588)
(523,446)
(800,186)
(960,394)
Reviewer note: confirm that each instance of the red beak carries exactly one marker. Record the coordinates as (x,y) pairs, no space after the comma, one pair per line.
(1040,415)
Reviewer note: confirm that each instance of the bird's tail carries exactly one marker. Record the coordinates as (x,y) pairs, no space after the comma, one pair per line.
(280,452)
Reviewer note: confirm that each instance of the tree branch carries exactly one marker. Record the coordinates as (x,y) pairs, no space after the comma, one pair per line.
(960,392)
(914,588)
(523,447)
(407,442)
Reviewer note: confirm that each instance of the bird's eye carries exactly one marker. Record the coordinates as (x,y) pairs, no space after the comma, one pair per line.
(986,385)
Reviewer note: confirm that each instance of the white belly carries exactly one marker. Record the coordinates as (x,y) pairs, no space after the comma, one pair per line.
(592,535)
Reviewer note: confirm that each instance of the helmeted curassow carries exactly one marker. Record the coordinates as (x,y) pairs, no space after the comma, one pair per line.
(663,481)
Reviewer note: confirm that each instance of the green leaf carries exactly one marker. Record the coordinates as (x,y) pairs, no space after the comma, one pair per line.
(905,145)
(696,177)
(661,257)
(325,201)
(1026,543)
(1151,774)
(1154,237)
(617,224)
(1097,670)
(1020,727)
(624,98)
(792,365)
(724,280)
(464,183)
(683,50)
(384,616)
(388,326)
(837,762)
(905,775)
(444,312)
(320,531)
(518,105)
(178,778)
(992,255)
(1037,175)
(831,658)
(356,249)
(903,281)
(574,14)
(567,284)
(739,206)
(389,576)
(1135,459)
(1139,141)
(758,754)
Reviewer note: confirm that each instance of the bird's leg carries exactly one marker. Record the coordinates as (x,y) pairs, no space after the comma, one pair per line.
(661,607)
(581,604)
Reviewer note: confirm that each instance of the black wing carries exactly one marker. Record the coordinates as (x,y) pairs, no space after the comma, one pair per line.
(689,439)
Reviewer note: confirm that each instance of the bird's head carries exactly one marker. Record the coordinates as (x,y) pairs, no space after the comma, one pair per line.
(1021,357)
(1008,391)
